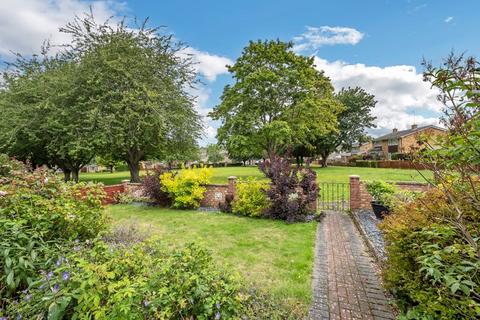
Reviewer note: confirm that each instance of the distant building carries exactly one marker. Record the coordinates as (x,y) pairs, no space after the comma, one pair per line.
(403,141)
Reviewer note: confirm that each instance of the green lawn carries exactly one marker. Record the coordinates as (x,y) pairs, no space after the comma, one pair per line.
(272,255)
(330,174)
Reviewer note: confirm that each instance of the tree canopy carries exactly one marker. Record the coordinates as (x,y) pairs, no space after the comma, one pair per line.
(278,99)
(353,121)
(116,91)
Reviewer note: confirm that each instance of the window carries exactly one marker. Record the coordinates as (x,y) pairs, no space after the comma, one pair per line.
(393,142)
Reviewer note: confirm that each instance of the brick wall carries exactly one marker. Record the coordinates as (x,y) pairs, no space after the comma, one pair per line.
(112,192)
(360,198)
(216,193)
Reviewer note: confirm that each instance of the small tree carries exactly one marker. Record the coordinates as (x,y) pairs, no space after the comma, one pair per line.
(214,153)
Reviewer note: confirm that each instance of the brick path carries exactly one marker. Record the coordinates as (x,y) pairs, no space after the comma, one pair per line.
(345,284)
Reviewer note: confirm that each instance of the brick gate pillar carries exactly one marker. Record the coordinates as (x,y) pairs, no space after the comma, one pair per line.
(355,197)
(232,188)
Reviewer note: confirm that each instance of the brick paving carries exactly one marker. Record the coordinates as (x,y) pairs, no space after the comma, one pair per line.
(345,284)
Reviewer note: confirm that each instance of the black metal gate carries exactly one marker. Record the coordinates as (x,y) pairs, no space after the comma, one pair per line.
(334,196)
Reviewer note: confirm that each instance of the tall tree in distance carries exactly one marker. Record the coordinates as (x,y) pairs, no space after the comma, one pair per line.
(353,121)
(214,153)
(140,91)
(278,99)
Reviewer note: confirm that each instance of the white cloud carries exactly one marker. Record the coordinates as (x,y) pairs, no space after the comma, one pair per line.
(316,37)
(399,90)
(209,65)
(448,19)
(26,24)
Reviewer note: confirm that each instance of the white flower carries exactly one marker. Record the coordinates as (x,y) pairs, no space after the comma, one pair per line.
(292,197)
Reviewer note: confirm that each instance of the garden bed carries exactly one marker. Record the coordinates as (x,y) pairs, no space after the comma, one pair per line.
(367,222)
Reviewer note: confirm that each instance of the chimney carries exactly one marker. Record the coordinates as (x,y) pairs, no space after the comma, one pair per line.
(395,130)
(414,126)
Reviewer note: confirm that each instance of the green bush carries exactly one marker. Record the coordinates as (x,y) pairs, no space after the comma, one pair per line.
(40,217)
(431,269)
(389,195)
(144,281)
(186,187)
(366,163)
(251,198)
(380,190)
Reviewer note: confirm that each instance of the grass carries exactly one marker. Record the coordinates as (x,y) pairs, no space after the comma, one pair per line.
(271,255)
(330,174)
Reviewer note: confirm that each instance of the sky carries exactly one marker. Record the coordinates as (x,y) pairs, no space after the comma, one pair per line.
(376,44)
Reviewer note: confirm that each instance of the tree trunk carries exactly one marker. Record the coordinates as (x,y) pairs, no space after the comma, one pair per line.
(67,174)
(323,162)
(111,169)
(134,168)
(75,174)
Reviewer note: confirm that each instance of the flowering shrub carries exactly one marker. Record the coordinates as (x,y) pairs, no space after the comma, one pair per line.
(251,198)
(292,190)
(40,216)
(186,187)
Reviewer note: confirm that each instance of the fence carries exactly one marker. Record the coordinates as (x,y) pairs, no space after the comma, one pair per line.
(334,196)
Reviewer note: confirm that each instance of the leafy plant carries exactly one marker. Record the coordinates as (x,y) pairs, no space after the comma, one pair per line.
(41,217)
(186,187)
(152,188)
(251,197)
(381,191)
(293,190)
(143,281)
(389,195)
(434,242)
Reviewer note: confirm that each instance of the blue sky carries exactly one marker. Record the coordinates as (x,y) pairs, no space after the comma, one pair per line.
(375,44)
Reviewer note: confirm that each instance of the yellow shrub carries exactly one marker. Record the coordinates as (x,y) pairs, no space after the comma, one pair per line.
(186,187)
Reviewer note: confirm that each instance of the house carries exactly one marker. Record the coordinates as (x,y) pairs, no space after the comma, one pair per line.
(361,148)
(404,141)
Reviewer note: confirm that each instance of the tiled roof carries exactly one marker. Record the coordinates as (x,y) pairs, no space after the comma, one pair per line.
(403,133)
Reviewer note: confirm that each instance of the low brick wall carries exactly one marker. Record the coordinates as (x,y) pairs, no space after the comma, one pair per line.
(213,196)
(216,193)
(360,198)
(112,192)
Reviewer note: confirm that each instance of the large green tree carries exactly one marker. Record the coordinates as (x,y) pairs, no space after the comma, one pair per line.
(47,118)
(140,82)
(353,121)
(278,99)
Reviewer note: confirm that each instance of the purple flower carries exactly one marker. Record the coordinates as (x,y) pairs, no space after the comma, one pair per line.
(217,305)
(55,288)
(146,303)
(28,297)
(49,275)
(65,276)
(3,318)
(217,315)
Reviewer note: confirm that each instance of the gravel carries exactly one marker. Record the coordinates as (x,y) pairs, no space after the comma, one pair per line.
(369,225)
